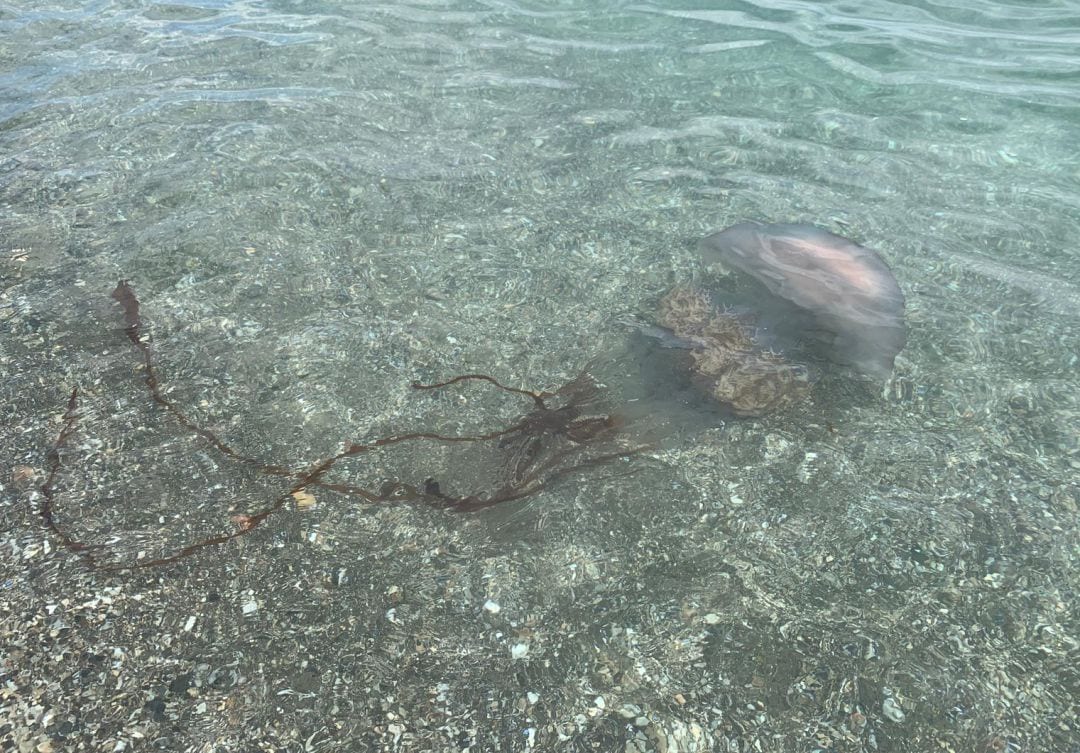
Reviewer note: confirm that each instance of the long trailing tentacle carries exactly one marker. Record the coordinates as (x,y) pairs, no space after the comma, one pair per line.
(535,472)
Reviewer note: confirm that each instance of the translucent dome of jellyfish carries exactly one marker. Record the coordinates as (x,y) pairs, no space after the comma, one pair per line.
(849,289)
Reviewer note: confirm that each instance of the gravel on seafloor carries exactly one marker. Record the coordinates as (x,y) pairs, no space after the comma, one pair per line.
(861,572)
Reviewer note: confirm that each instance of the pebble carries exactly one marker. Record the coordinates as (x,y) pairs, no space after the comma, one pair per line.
(519,650)
(629,711)
(492,607)
(892,710)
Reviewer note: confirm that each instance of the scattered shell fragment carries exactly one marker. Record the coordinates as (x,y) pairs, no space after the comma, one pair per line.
(243,522)
(892,711)
(23,474)
(305,500)
(629,711)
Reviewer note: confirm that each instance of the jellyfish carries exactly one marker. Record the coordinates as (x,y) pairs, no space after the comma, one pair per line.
(853,300)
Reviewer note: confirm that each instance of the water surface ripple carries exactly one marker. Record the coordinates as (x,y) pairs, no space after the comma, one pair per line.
(320,202)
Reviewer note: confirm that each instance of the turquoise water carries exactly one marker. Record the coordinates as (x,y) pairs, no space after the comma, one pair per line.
(318,203)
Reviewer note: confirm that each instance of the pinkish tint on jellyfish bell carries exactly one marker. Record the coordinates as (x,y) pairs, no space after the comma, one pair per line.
(848,289)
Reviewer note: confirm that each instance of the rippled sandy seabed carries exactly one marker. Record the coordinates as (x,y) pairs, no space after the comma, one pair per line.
(320,202)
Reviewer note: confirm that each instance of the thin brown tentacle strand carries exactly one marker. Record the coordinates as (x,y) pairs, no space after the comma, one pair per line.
(54,462)
(537,397)
(125,296)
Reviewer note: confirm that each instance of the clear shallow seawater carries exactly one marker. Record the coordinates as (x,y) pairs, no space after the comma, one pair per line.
(318,203)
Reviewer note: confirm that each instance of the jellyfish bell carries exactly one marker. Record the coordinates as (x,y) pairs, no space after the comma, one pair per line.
(848,290)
